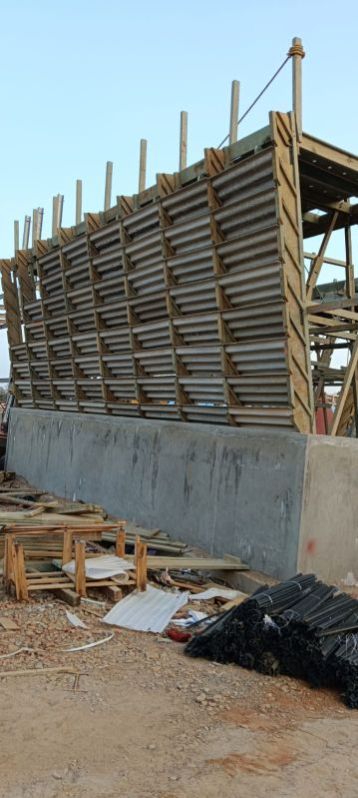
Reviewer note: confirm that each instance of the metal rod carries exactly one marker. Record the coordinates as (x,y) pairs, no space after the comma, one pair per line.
(183,144)
(78,201)
(108,186)
(54,215)
(142,165)
(16,236)
(60,210)
(234,111)
(40,217)
(297,52)
(26,233)
(34,225)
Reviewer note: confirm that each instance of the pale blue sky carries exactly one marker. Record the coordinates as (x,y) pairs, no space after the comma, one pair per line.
(83,81)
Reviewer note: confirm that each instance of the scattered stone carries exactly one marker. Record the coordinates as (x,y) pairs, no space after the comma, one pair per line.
(201,698)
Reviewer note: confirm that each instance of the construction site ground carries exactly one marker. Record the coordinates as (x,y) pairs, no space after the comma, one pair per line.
(146,721)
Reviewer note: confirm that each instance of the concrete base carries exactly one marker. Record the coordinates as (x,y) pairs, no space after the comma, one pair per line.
(281,501)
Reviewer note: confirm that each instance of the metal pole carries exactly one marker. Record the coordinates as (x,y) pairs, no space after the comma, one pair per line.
(183,144)
(54,215)
(40,217)
(26,233)
(78,201)
(234,111)
(34,225)
(297,52)
(60,210)
(142,165)
(16,236)
(108,186)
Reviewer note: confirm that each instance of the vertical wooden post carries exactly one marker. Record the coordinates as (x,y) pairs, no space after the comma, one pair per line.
(80,567)
(78,201)
(21,572)
(108,185)
(16,236)
(26,233)
(14,569)
(297,52)
(234,111)
(142,165)
(121,541)
(18,564)
(7,562)
(183,144)
(141,564)
(67,546)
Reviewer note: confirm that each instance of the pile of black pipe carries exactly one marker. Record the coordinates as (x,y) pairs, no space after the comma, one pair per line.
(300,627)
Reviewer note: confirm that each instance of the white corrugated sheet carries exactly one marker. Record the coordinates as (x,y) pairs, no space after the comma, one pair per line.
(102,567)
(147,611)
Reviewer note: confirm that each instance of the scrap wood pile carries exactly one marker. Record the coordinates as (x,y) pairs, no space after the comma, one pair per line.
(301,628)
(73,550)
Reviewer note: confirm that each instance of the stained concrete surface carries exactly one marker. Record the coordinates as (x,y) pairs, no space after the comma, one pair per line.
(281,501)
(328,529)
(227,490)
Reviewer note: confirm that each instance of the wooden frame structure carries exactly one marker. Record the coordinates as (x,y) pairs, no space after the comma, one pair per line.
(26,579)
(188,300)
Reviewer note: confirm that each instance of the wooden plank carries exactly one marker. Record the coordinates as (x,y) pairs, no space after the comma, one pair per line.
(19,570)
(113,593)
(121,543)
(8,624)
(80,567)
(349,374)
(319,259)
(196,563)
(67,546)
(141,564)
(69,596)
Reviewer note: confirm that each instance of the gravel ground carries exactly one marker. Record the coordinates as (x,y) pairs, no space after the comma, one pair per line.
(145,721)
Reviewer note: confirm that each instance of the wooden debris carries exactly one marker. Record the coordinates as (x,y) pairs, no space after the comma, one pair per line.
(141,564)
(80,573)
(69,596)
(41,671)
(8,623)
(36,549)
(196,563)
(7,476)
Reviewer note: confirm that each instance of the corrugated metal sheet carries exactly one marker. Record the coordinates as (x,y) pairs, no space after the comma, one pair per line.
(147,611)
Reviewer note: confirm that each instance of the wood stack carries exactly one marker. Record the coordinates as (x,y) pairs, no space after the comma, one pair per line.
(24,578)
(41,534)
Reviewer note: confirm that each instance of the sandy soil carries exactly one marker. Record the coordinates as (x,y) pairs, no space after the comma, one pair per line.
(148,722)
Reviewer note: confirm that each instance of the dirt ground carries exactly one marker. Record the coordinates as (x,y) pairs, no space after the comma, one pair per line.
(145,721)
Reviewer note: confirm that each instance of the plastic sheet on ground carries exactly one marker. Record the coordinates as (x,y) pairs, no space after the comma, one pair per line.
(101,567)
(147,611)
(217,592)
(75,620)
(193,617)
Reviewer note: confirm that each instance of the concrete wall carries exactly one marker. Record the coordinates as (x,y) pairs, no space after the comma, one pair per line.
(281,501)
(329,520)
(227,490)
